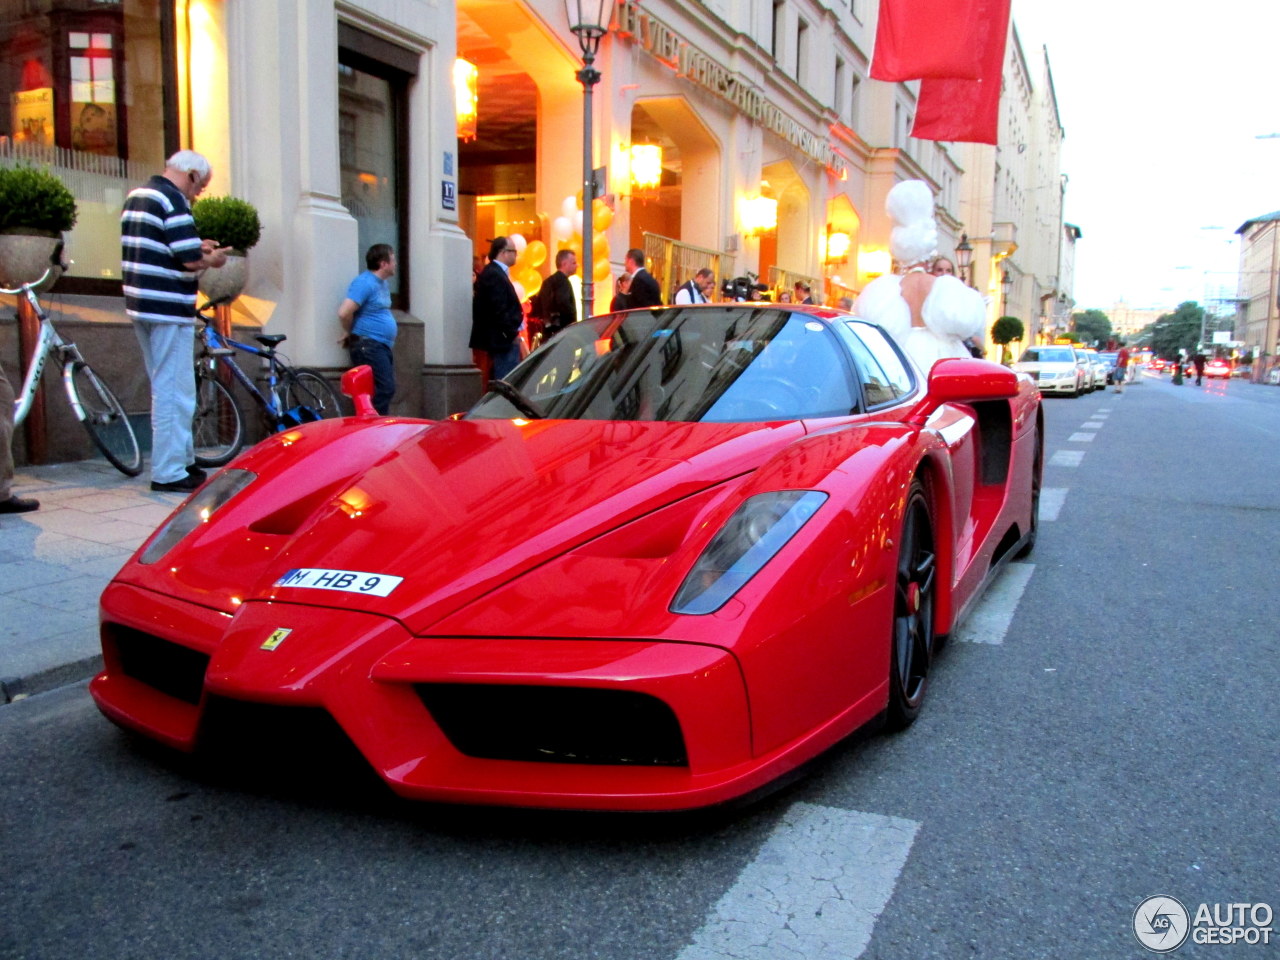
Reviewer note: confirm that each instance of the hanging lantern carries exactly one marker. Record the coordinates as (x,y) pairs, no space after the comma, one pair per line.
(874,263)
(646,169)
(759,216)
(466,98)
(837,247)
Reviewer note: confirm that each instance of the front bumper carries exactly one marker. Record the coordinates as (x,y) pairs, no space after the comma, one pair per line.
(384,689)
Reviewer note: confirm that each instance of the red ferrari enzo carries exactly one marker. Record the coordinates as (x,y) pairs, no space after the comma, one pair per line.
(678,553)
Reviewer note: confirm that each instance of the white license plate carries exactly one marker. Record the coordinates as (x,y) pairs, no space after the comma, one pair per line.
(347,581)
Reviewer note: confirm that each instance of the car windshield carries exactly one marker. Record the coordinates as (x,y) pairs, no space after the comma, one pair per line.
(715,364)
(1048,355)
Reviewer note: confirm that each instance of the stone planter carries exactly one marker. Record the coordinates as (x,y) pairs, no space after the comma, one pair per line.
(25,256)
(228,281)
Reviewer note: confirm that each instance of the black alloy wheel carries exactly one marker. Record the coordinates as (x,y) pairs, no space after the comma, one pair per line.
(1037,474)
(913,601)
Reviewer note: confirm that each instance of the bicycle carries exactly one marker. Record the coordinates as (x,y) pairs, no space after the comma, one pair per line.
(292,395)
(92,401)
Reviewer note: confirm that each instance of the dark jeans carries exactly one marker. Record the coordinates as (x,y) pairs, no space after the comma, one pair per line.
(378,356)
(505,361)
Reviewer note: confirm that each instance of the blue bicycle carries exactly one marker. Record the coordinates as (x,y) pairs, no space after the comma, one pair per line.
(289,396)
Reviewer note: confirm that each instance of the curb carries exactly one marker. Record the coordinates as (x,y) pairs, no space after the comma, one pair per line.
(13,689)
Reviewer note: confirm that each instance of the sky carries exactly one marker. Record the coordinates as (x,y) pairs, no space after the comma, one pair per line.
(1162,105)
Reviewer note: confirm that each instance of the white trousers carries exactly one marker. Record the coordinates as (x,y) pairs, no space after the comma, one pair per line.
(168,351)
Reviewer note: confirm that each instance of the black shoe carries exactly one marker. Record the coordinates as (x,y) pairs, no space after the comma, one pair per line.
(185,485)
(197,473)
(18,505)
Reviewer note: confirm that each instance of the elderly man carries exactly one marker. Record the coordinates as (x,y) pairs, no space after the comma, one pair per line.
(160,256)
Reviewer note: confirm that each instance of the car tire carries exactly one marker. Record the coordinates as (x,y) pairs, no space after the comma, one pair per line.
(911,637)
(1037,478)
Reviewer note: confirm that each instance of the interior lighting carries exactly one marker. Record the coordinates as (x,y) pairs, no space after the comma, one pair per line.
(466,98)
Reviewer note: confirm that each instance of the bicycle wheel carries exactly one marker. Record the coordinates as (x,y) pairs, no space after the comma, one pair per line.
(218,427)
(302,387)
(103,416)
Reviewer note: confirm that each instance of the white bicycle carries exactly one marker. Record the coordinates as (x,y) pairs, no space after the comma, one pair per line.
(91,399)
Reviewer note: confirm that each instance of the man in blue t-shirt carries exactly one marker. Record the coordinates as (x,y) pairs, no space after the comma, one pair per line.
(366,318)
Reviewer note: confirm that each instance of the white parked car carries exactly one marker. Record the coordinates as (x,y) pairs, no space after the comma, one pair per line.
(1055,369)
(1097,368)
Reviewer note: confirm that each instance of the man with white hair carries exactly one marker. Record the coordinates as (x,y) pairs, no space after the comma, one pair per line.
(160,257)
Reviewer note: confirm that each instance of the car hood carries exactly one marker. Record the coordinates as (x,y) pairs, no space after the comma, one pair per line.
(452,509)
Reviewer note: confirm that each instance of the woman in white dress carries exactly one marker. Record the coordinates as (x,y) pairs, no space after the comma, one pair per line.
(929,316)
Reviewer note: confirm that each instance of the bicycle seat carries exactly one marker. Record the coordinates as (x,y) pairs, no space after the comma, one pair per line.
(271,339)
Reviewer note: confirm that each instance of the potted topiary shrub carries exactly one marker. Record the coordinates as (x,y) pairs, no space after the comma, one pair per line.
(233,223)
(35,209)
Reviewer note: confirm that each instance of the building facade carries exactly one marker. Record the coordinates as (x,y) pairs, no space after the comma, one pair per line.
(1258,305)
(340,122)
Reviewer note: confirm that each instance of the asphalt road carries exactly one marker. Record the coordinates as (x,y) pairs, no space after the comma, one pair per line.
(1119,740)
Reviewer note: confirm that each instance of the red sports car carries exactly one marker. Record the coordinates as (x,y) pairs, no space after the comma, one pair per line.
(677,554)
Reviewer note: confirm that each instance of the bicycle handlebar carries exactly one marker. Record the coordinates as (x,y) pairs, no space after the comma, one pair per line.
(26,287)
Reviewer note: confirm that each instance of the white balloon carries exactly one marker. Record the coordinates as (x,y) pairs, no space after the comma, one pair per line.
(519,290)
(561,228)
(569,206)
(577,222)
(518,241)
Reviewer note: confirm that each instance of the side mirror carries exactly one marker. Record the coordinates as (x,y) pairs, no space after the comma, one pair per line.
(966,380)
(357,383)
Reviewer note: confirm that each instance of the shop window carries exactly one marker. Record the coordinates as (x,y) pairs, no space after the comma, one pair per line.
(82,93)
(373,84)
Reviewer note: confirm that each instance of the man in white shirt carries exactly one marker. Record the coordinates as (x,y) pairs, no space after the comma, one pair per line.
(697,289)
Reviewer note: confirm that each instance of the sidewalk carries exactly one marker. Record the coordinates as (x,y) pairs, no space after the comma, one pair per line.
(58,559)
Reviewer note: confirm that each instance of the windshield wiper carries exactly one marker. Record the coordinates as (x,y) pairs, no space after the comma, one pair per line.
(518,399)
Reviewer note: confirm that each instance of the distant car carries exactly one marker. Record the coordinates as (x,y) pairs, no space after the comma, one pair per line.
(1109,359)
(1097,368)
(1054,368)
(1217,368)
(1157,365)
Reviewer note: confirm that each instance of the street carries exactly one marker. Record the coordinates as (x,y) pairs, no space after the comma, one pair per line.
(1104,729)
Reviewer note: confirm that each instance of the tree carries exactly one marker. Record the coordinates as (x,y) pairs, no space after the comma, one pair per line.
(1177,331)
(1092,326)
(1004,331)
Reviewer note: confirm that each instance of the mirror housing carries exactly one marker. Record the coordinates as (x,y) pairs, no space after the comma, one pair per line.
(965,380)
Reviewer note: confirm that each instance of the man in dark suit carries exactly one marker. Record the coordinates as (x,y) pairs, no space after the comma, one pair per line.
(496,315)
(803,293)
(556,296)
(644,289)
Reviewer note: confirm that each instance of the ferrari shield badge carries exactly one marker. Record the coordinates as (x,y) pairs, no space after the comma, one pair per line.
(276,638)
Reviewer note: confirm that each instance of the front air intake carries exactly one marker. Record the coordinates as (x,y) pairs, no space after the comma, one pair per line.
(168,667)
(556,724)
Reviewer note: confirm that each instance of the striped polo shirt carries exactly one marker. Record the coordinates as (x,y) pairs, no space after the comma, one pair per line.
(157,236)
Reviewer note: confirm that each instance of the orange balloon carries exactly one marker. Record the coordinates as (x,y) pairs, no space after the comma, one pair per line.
(602,216)
(537,253)
(602,271)
(600,247)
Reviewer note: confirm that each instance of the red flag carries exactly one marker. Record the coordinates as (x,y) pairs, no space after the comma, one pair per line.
(963,109)
(927,38)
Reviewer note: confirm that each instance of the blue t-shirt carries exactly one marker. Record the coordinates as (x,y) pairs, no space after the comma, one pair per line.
(373,311)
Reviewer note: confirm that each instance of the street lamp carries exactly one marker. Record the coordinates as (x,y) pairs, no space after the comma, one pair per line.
(1006,281)
(964,257)
(589,22)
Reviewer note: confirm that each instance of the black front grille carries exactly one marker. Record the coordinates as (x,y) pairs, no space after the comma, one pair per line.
(169,667)
(556,724)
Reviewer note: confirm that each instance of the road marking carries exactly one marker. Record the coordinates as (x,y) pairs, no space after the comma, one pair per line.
(989,621)
(1051,499)
(1066,458)
(1102,410)
(1082,437)
(815,889)
(1090,425)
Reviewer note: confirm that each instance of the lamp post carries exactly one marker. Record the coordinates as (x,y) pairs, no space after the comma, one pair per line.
(589,22)
(1006,282)
(964,257)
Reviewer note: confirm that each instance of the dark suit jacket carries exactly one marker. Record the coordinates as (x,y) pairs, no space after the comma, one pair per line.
(495,311)
(644,291)
(556,297)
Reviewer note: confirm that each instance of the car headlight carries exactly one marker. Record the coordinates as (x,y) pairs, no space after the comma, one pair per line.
(210,498)
(752,536)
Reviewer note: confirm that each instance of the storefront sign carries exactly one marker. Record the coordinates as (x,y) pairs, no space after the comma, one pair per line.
(689,62)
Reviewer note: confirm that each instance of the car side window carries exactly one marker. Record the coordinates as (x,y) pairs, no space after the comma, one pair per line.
(883,373)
